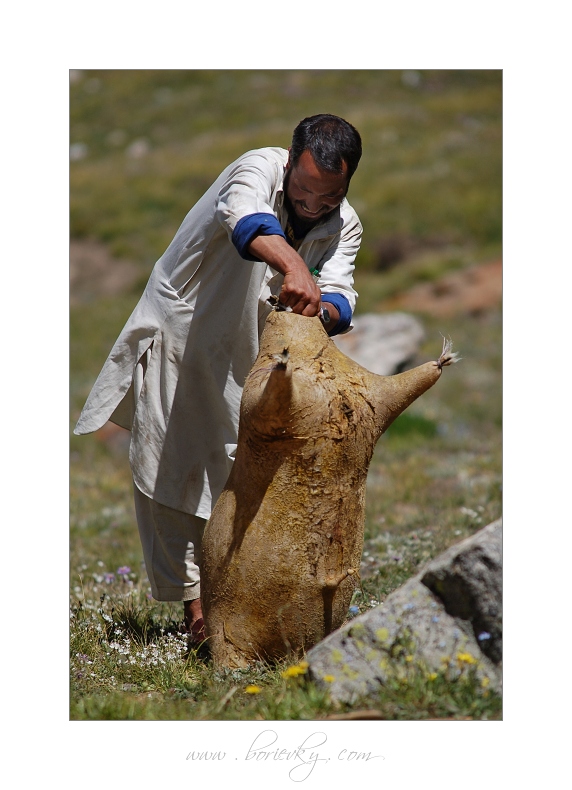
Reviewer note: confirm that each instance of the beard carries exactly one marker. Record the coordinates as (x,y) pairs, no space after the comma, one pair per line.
(301,225)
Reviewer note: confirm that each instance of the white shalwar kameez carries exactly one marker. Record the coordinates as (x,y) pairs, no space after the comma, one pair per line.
(175,375)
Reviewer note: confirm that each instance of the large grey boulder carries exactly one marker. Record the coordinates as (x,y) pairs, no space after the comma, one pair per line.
(467,579)
(447,618)
(384,344)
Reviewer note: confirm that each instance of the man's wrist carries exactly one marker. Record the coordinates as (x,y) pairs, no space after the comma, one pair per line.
(330,312)
(340,312)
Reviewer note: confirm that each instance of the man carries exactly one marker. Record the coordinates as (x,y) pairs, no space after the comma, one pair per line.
(175,375)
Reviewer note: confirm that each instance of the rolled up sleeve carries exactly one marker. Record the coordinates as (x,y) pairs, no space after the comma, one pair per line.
(247,228)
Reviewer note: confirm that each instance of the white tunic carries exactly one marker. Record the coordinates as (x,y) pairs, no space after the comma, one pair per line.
(175,375)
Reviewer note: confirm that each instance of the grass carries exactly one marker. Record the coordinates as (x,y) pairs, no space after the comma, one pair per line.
(128,662)
(431,173)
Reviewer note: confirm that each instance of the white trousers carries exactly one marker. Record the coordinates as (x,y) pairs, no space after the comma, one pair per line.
(171,542)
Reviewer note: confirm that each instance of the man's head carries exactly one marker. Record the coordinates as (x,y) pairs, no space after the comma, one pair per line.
(324,155)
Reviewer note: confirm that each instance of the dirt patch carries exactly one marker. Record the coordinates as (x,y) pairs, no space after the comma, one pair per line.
(94,272)
(115,438)
(471,291)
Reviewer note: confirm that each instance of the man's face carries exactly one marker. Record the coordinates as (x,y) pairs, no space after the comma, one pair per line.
(313,192)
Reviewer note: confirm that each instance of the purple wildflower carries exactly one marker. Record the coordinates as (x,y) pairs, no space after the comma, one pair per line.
(109,577)
(483,636)
(124,570)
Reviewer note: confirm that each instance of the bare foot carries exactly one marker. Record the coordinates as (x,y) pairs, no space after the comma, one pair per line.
(193,612)
(193,623)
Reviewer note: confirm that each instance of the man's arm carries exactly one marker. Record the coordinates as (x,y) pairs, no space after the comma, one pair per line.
(299,291)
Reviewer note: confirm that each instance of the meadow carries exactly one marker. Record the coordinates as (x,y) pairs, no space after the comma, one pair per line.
(144,146)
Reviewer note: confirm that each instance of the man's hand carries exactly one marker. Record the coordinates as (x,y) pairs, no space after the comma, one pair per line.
(299,291)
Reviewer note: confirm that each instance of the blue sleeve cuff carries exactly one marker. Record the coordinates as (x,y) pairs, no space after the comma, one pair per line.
(254,225)
(344,309)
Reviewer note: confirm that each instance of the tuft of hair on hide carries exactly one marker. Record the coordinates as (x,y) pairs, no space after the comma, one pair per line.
(448,356)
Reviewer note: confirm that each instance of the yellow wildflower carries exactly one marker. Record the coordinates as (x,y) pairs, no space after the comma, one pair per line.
(295,670)
(432,676)
(328,678)
(409,658)
(485,682)
(253,690)
(466,658)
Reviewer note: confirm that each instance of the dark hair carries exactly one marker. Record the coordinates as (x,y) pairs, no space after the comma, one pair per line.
(330,140)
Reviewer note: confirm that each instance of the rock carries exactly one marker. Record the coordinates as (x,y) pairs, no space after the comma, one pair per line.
(138,148)
(447,618)
(384,344)
(468,580)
